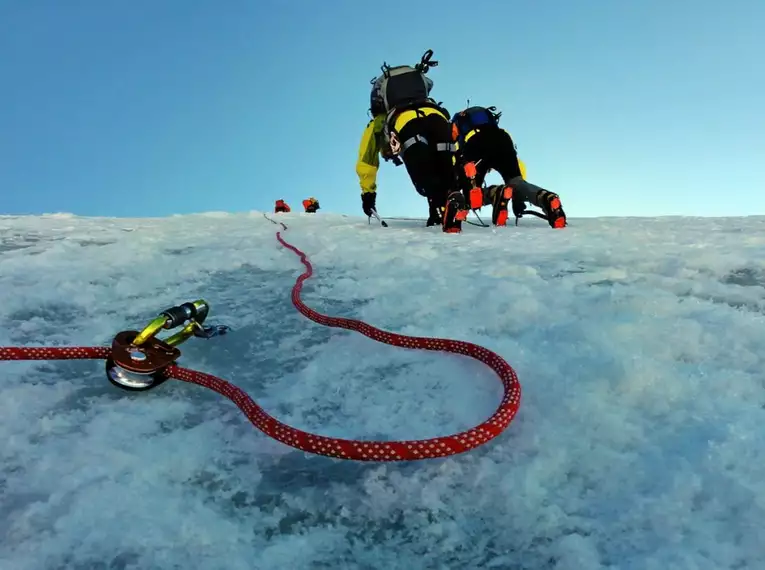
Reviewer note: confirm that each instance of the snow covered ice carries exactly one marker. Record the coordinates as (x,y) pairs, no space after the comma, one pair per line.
(638,343)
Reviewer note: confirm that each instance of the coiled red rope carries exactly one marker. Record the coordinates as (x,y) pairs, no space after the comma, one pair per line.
(329,446)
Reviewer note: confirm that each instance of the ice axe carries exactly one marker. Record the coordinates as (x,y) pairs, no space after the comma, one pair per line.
(379,219)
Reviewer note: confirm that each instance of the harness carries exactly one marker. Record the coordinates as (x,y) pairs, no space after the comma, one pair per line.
(398,118)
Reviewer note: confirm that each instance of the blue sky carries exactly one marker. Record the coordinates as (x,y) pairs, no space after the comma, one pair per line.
(628,108)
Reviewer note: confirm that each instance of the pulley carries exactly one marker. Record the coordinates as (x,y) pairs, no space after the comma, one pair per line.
(139,359)
(133,381)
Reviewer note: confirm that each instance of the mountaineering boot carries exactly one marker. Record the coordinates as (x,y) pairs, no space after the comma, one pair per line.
(519,206)
(455,212)
(550,203)
(434,216)
(498,196)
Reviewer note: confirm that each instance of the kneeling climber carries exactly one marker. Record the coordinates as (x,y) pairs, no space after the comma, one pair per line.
(311,205)
(281,206)
(410,127)
(483,145)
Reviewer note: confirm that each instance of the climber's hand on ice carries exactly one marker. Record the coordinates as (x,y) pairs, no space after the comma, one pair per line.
(368,202)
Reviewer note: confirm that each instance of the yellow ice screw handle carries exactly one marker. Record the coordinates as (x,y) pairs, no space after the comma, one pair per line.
(190,315)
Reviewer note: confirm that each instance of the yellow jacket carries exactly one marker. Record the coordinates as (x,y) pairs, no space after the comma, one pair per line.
(372,142)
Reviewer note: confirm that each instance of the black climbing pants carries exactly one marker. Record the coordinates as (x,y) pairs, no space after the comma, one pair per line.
(429,158)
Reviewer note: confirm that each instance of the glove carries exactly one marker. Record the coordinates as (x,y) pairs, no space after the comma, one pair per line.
(368,202)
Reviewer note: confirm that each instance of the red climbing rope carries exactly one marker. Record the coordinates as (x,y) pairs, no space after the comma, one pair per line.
(330,446)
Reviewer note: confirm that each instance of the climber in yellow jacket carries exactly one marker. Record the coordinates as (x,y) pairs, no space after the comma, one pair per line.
(411,128)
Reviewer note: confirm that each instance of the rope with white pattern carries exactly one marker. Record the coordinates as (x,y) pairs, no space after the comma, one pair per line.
(360,450)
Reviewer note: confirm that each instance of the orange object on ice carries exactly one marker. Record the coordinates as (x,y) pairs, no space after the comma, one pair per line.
(311,205)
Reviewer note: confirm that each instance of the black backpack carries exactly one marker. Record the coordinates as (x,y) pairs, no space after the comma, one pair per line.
(474,117)
(402,86)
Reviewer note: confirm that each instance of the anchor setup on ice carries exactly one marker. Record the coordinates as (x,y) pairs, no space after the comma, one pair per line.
(139,359)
